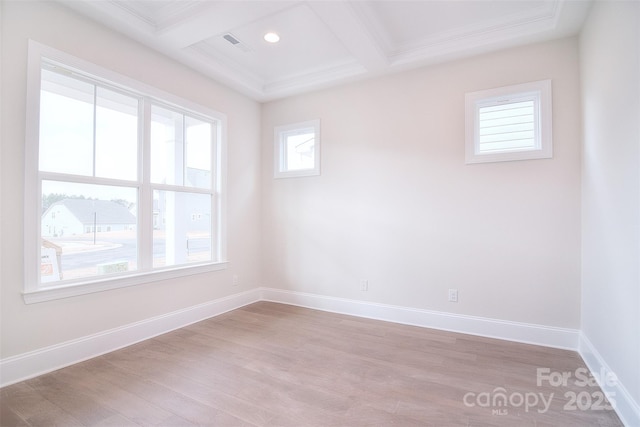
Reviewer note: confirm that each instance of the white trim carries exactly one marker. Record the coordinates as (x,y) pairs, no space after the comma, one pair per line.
(37,51)
(492,328)
(627,409)
(569,339)
(31,179)
(38,362)
(28,365)
(75,289)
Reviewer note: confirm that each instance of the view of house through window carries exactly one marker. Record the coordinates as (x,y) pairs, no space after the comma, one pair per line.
(87,230)
(94,186)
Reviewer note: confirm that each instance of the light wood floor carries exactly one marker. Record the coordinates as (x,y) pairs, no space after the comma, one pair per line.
(276,365)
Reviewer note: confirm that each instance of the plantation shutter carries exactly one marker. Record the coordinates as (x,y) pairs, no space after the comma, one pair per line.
(508,124)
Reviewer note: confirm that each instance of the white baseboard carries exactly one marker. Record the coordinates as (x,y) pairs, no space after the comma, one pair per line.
(482,326)
(627,409)
(571,339)
(38,362)
(32,364)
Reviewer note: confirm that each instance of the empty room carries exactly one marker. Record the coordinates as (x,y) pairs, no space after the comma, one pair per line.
(320,213)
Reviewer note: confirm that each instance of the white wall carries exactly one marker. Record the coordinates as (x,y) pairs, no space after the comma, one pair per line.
(396,204)
(609,50)
(31,327)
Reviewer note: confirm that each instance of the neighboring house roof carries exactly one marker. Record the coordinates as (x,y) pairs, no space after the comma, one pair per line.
(107,212)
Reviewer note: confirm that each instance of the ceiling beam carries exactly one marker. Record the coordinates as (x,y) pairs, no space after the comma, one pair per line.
(343,21)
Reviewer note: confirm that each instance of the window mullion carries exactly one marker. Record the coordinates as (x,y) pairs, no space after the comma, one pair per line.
(184,150)
(145,210)
(82,179)
(95,125)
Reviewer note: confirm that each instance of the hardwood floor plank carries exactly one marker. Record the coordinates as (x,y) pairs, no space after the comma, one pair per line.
(271,364)
(8,417)
(129,405)
(150,389)
(71,399)
(33,408)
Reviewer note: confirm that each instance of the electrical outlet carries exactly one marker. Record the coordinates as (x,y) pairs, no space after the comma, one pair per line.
(236,280)
(453,295)
(364,285)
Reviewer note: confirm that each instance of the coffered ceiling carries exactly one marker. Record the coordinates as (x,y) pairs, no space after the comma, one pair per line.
(328,42)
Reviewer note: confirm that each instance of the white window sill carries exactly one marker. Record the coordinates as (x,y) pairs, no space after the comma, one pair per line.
(297,173)
(83,288)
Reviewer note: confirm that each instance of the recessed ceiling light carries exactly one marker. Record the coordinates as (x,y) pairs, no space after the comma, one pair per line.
(272,37)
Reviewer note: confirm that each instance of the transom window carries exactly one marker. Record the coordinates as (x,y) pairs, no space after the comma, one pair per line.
(126,181)
(509,123)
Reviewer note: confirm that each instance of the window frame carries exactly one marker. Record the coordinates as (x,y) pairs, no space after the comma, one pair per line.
(540,91)
(34,291)
(280,133)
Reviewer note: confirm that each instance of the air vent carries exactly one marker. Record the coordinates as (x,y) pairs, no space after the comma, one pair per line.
(236,43)
(231,39)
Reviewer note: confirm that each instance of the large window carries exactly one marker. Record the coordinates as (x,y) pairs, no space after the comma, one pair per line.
(509,123)
(123,182)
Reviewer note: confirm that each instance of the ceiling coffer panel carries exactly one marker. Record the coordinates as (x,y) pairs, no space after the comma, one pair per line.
(328,42)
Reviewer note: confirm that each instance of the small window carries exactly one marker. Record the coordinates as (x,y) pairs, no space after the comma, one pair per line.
(509,123)
(297,149)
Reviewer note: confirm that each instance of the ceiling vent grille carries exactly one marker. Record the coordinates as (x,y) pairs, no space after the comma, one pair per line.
(236,43)
(231,39)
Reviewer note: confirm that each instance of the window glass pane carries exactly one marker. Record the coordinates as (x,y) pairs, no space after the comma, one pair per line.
(299,150)
(181,228)
(87,230)
(167,146)
(66,124)
(116,135)
(87,126)
(198,135)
